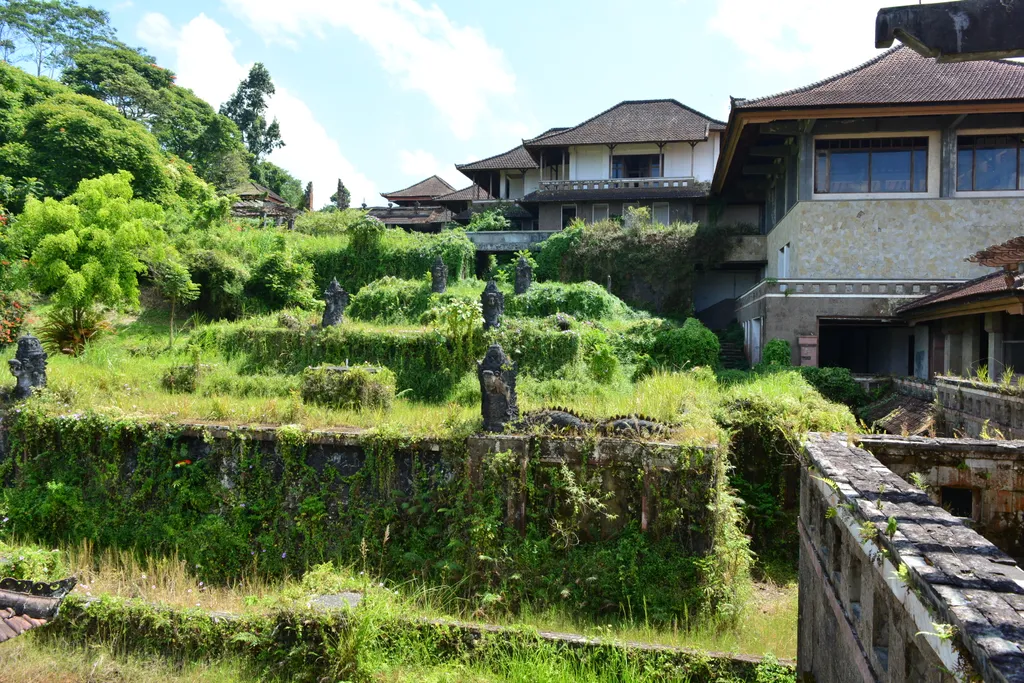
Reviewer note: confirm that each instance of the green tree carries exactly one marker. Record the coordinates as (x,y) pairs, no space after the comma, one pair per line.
(247,108)
(54,30)
(342,198)
(174,283)
(87,249)
(127,79)
(280,181)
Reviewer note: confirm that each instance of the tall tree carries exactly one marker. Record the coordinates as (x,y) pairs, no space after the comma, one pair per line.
(280,181)
(342,198)
(247,108)
(55,30)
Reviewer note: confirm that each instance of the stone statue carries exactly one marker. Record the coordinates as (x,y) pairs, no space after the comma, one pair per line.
(494,306)
(439,277)
(28,366)
(337,300)
(497,375)
(524,275)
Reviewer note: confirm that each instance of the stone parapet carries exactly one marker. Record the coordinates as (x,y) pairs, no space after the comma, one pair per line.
(973,408)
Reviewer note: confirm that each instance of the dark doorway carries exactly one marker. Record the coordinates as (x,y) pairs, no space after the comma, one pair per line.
(959,502)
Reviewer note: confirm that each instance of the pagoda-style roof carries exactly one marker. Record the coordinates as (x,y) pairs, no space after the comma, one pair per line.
(473,193)
(901,76)
(410,215)
(515,158)
(423,191)
(1008,255)
(635,121)
(251,190)
(998,289)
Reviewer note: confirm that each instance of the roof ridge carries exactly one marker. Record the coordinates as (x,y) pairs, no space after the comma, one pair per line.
(493,156)
(943,292)
(420,182)
(817,84)
(624,103)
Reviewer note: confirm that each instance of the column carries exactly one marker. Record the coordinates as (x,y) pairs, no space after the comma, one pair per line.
(952,363)
(971,345)
(995,326)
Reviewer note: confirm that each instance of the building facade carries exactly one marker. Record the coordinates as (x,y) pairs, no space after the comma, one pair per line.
(874,185)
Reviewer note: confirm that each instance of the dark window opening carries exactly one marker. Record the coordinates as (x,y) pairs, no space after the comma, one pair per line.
(959,502)
(871,165)
(880,629)
(989,163)
(636,166)
(911,347)
(855,581)
(568,215)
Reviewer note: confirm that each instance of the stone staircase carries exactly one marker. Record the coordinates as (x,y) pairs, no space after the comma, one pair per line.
(731,357)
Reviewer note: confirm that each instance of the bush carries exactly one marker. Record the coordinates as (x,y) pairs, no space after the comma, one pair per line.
(390,300)
(68,330)
(777,353)
(584,300)
(221,279)
(327,222)
(836,384)
(12,315)
(689,345)
(488,221)
(538,347)
(280,281)
(357,388)
(183,379)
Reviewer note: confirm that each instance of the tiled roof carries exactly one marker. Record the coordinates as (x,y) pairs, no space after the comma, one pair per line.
(25,605)
(618,194)
(635,121)
(988,286)
(466,194)
(430,187)
(251,189)
(13,624)
(899,414)
(515,158)
(901,76)
(410,215)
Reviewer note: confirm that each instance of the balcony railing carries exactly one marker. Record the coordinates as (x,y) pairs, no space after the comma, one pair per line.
(615,183)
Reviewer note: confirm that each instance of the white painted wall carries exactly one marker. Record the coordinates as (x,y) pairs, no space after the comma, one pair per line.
(590,162)
(515,187)
(531,181)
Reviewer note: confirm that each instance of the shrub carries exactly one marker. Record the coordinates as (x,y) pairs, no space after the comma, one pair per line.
(584,300)
(280,281)
(390,300)
(221,279)
(836,384)
(68,330)
(183,379)
(689,345)
(358,388)
(12,315)
(327,222)
(488,221)
(553,251)
(777,353)
(538,347)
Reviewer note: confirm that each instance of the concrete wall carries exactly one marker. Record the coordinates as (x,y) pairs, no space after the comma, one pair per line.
(895,238)
(970,408)
(869,603)
(991,471)
(550,215)
(682,160)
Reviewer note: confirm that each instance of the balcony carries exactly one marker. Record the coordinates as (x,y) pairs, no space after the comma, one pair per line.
(507,240)
(617,184)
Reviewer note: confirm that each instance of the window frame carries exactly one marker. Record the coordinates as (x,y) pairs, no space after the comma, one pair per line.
(908,145)
(932,169)
(650,160)
(988,132)
(561,214)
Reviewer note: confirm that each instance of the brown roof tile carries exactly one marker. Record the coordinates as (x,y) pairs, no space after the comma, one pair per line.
(901,76)
(899,414)
(410,215)
(473,193)
(429,187)
(515,158)
(994,284)
(635,121)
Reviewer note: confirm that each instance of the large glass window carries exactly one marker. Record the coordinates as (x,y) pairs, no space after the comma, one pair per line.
(866,165)
(636,166)
(988,162)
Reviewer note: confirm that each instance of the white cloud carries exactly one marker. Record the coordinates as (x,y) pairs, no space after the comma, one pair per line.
(206,63)
(419,164)
(419,46)
(806,37)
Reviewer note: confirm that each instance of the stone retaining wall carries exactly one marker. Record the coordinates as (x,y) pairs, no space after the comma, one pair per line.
(893,588)
(970,408)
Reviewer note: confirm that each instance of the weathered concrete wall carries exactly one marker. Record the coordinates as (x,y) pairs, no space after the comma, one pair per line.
(680,210)
(968,408)
(870,599)
(894,238)
(989,473)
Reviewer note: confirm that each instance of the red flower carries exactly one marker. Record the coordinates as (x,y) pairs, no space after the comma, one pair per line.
(182,463)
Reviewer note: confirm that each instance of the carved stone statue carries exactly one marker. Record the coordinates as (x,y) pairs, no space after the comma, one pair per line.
(493,304)
(497,375)
(28,366)
(524,275)
(337,300)
(439,277)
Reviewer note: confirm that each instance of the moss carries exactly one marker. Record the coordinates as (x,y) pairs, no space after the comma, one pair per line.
(357,387)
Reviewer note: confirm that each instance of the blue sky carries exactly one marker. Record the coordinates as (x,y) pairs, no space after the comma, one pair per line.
(386,92)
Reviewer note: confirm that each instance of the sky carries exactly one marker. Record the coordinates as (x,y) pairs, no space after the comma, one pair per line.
(383,93)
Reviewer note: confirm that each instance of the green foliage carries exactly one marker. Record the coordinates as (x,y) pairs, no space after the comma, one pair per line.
(281,281)
(538,347)
(390,300)
(49,34)
(342,198)
(175,284)
(689,345)
(247,108)
(488,221)
(584,300)
(12,316)
(836,384)
(183,379)
(280,181)
(777,353)
(357,387)
(68,330)
(553,251)
(221,279)
(328,222)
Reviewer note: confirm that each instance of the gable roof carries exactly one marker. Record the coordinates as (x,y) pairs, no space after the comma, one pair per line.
(251,189)
(902,76)
(466,194)
(427,188)
(515,158)
(635,121)
(993,285)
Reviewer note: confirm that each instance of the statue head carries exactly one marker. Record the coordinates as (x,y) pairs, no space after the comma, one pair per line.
(28,366)
(493,304)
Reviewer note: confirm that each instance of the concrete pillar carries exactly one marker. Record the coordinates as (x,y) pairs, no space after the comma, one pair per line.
(995,326)
(952,364)
(971,345)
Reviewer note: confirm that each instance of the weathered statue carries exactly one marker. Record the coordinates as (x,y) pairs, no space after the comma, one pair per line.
(28,366)
(337,300)
(524,275)
(497,375)
(493,304)
(439,277)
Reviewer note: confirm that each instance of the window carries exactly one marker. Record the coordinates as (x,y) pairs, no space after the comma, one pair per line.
(871,165)
(784,262)
(600,213)
(568,214)
(660,213)
(636,166)
(988,162)
(957,501)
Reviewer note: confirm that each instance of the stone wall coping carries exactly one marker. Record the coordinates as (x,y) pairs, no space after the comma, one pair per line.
(891,445)
(959,383)
(958,576)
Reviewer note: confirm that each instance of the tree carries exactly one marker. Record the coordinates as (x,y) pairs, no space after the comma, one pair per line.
(280,181)
(54,30)
(247,107)
(342,198)
(174,283)
(122,77)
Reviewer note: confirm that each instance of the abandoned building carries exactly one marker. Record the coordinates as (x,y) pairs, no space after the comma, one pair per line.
(257,201)
(414,207)
(874,184)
